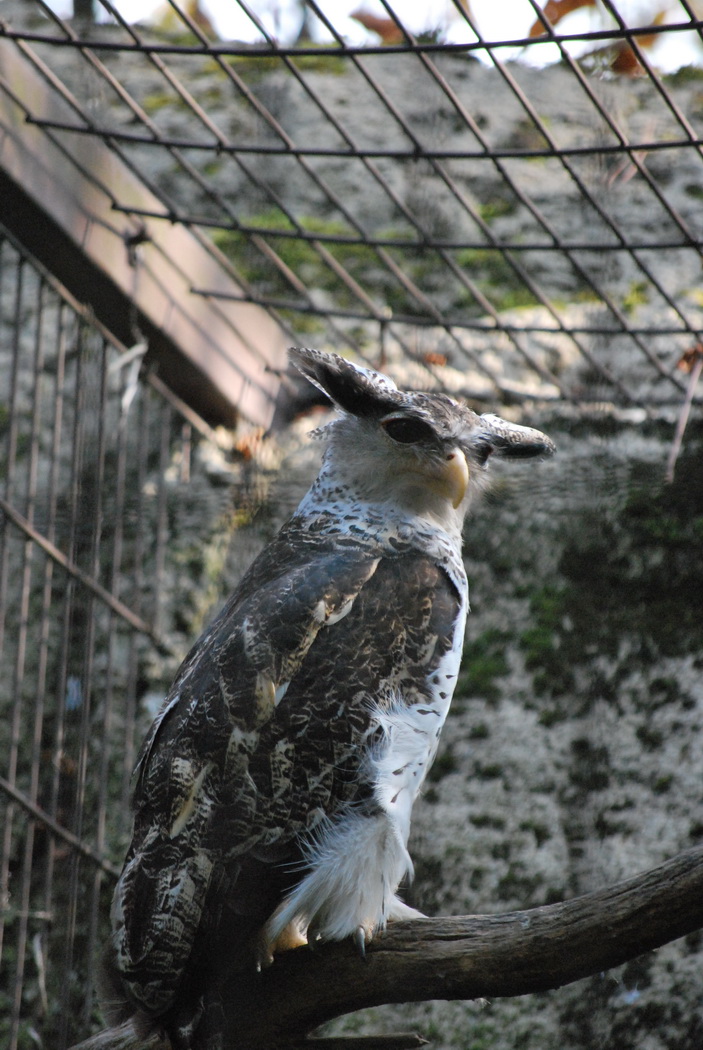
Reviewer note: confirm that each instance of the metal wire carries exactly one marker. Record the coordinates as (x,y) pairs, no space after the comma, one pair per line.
(84,553)
(598,36)
(390,253)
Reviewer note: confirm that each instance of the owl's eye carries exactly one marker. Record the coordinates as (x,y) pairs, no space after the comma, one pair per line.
(408,431)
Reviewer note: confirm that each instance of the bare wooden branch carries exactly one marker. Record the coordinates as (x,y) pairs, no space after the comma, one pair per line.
(401,1041)
(121,1037)
(467,957)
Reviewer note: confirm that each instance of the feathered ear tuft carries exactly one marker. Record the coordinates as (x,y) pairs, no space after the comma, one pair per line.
(357,390)
(509,440)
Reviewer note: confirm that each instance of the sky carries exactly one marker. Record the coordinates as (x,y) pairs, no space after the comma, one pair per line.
(497,19)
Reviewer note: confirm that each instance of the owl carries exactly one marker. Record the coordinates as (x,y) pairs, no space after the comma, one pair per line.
(274,792)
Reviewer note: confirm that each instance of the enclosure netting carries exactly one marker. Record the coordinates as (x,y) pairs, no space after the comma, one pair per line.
(513,231)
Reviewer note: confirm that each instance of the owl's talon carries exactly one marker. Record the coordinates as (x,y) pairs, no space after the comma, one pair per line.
(359,937)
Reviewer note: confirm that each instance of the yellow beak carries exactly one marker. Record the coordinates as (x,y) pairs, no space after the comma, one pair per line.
(453,478)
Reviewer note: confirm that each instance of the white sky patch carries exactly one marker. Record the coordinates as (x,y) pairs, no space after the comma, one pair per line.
(496,20)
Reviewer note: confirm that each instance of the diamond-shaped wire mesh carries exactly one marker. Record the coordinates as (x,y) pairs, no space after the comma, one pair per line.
(513,232)
(536,228)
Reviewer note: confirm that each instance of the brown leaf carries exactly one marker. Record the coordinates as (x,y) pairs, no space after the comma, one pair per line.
(388,30)
(625,61)
(555,10)
(249,444)
(432,357)
(689,357)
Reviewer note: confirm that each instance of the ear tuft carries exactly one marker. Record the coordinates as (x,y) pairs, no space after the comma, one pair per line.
(355,389)
(510,440)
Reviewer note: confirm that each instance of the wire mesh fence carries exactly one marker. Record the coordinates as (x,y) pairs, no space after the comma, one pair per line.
(83,549)
(428,193)
(514,232)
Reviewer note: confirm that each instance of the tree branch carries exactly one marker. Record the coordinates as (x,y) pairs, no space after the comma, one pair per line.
(466,957)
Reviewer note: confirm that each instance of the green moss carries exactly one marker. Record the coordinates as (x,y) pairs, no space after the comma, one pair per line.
(307,262)
(604,826)
(444,763)
(516,884)
(498,207)
(638,575)
(586,294)
(651,739)
(637,295)
(324,62)
(304,324)
(479,732)
(212,167)
(551,716)
(495,277)
(260,63)
(487,820)
(488,268)
(662,784)
(429,874)
(526,135)
(481,1037)
(490,771)
(630,578)
(662,692)
(542,644)
(157,101)
(484,661)
(540,831)
(478,679)
(684,75)
(549,604)
(476,879)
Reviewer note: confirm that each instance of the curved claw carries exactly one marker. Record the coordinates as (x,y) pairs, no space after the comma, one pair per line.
(359,937)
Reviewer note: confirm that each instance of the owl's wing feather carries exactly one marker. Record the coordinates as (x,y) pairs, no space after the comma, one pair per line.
(246,658)
(197,763)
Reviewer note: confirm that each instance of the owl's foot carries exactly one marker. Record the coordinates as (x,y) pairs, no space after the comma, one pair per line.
(291,936)
(397,911)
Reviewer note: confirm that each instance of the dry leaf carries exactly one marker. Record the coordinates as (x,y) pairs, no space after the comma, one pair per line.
(555,10)
(434,358)
(388,30)
(689,357)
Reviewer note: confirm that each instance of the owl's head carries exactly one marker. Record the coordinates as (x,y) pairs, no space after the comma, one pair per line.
(426,453)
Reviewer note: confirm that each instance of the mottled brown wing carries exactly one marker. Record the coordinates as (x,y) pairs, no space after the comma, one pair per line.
(260,738)
(196,802)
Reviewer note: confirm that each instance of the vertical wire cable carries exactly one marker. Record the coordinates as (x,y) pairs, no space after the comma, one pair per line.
(24,688)
(7,547)
(65,744)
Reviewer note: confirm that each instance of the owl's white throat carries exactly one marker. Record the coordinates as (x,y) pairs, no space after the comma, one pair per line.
(352,486)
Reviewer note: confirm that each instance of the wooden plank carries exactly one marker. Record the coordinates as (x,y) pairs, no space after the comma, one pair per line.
(57,195)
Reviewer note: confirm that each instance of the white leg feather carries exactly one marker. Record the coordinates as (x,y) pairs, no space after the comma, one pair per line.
(355,868)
